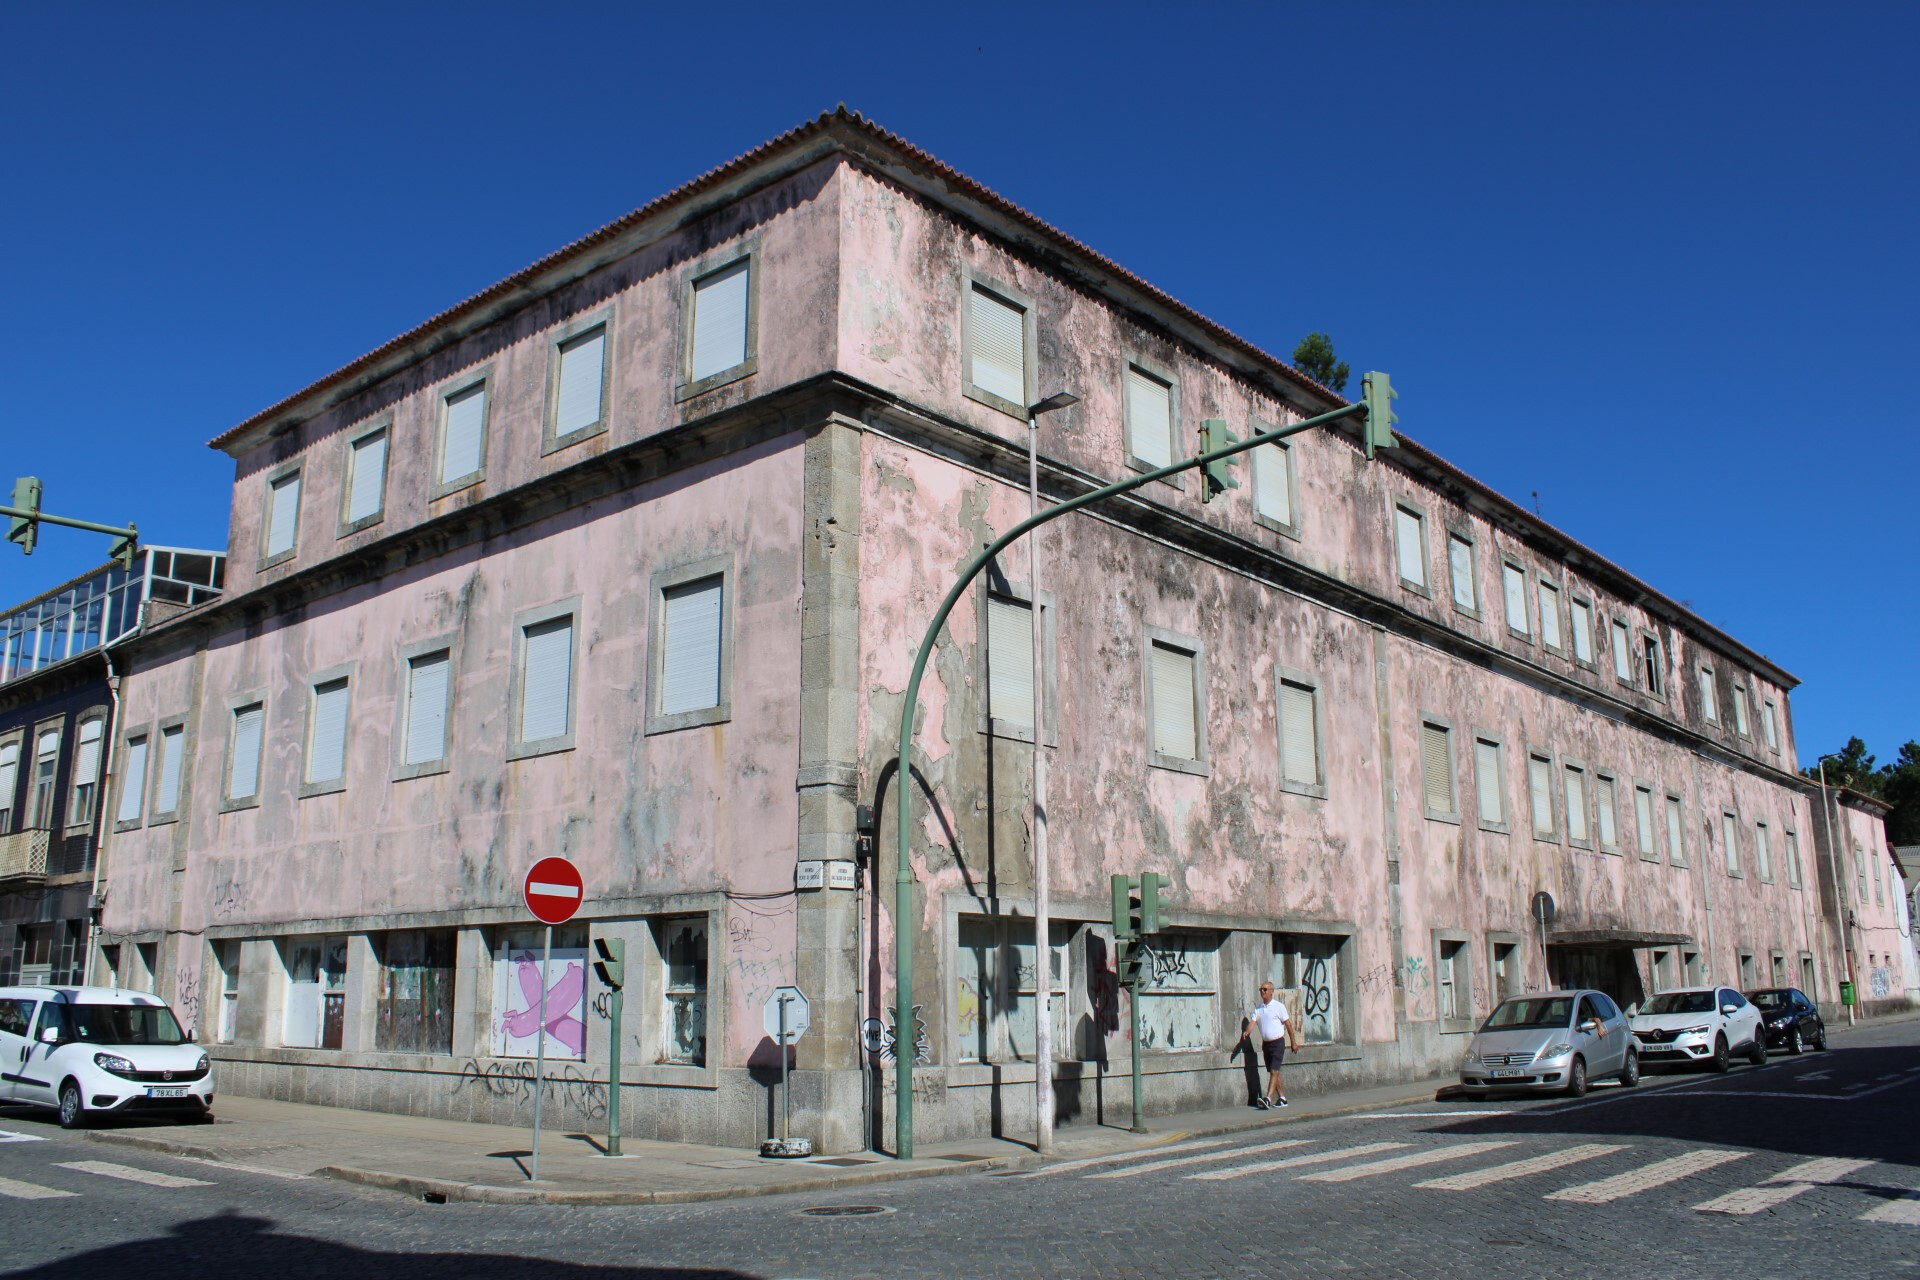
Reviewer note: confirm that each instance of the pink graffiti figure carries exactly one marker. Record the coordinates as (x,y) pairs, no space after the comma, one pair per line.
(563,1000)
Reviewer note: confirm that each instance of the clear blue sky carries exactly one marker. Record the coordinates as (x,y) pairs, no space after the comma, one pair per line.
(1656,262)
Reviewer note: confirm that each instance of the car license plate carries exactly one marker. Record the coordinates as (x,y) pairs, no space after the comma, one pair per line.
(179,1092)
(1507,1075)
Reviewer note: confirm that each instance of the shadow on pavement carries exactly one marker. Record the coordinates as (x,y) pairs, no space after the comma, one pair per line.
(235,1244)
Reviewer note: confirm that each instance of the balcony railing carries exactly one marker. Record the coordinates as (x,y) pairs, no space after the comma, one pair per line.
(23,855)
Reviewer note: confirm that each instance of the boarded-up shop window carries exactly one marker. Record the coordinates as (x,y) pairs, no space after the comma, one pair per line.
(415,1009)
(518,980)
(316,992)
(1179,986)
(998,990)
(1307,967)
(683,994)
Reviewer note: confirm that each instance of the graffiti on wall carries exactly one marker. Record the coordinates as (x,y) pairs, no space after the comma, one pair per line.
(575,1088)
(186,996)
(752,956)
(1880,982)
(519,982)
(922,1049)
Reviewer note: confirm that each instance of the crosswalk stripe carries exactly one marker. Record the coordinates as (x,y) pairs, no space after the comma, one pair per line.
(1905,1211)
(1319,1157)
(1647,1177)
(1396,1163)
(127,1173)
(28,1191)
(1068,1166)
(1521,1168)
(1132,1171)
(1783,1186)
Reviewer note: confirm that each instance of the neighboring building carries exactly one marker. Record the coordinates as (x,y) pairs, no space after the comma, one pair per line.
(1906,861)
(625,558)
(1856,859)
(56,719)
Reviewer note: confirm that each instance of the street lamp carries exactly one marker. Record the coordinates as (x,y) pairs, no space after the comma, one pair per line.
(1840,909)
(1042,906)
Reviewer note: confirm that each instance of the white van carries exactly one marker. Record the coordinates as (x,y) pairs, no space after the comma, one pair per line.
(99,1050)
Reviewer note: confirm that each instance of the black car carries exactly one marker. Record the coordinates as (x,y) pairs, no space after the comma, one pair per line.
(1792,1021)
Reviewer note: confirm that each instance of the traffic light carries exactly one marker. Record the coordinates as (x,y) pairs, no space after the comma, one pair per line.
(1215,478)
(1378,395)
(610,961)
(1152,886)
(1138,905)
(126,547)
(25,529)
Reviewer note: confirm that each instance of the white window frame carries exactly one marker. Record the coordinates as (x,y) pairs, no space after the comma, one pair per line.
(1742,710)
(1504,824)
(1508,565)
(1418,514)
(97,717)
(1549,598)
(1580,611)
(1136,460)
(1792,855)
(1016,593)
(382,428)
(1620,648)
(443,484)
(1280,454)
(687,386)
(1709,694)
(1464,538)
(316,683)
(293,472)
(1310,684)
(1158,637)
(1763,850)
(1730,837)
(1571,768)
(235,707)
(568,336)
(1770,724)
(403,707)
(1551,835)
(170,729)
(1653,665)
(1646,839)
(1606,810)
(1673,817)
(519,748)
(973,282)
(667,580)
(127,787)
(1430,722)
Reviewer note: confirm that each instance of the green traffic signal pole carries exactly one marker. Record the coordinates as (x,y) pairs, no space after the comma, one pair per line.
(905,1037)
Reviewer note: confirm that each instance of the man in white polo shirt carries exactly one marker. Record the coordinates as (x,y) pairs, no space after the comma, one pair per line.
(1276,1037)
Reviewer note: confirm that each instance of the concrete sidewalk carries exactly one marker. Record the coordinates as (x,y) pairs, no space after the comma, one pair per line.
(454,1160)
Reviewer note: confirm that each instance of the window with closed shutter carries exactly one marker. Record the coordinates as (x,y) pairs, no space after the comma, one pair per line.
(1582,631)
(1763,850)
(1676,849)
(1741,724)
(1769,722)
(720,321)
(46,759)
(1793,859)
(1409,546)
(9,783)
(546,680)
(133,782)
(1010,661)
(1299,734)
(283,516)
(463,437)
(1622,659)
(1643,819)
(998,344)
(1549,615)
(327,745)
(1487,782)
(690,659)
(1605,812)
(1540,792)
(1730,837)
(1513,581)
(1460,559)
(1175,732)
(243,769)
(172,746)
(1273,482)
(366,491)
(1150,417)
(1709,701)
(86,774)
(1435,769)
(428,687)
(583,361)
(1576,803)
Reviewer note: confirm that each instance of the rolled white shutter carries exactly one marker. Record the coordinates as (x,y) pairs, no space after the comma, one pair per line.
(1406,537)
(369,477)
(582,364)
(171,742)
(327,753)
(1487,780)
(1603,793)
(1549,615)
(285,501)
(1460,556)
(1272,490)
(1010,661)
(1515,583)
(1540,789)
(427,709)
(720,321)
(243,772)
(547,676)
(1576,805)
(690,664)
(1582,632)
(86,764)
(466,421)
(999,347)
(133,782)
(1433,768)
(1173,714)
(1299,758)
(1150,410)
(1676,852)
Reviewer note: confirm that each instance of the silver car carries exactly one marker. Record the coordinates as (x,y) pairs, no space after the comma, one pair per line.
(1559,1040)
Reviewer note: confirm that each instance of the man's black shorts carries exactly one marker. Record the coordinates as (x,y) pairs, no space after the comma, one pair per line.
(1276,1051)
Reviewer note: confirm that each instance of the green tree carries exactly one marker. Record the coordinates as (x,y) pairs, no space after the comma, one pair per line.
(1900,787)
(1314,357)
(1850,766)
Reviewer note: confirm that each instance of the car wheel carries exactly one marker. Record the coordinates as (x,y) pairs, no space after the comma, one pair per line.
(1577,1079)
(1630,1073)
(73,1112)
(1722,1058)
(1820,1038)
(1796,1044)
(1757,1052)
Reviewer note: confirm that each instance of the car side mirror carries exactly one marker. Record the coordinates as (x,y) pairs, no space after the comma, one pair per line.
(1729,1009)
(1590,1025)
(49,1035)
(190,1034)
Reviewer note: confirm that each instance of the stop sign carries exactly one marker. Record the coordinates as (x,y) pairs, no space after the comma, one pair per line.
(554,890)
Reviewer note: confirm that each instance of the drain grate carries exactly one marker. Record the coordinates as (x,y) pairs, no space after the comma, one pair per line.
(843,1211)
(845,1162)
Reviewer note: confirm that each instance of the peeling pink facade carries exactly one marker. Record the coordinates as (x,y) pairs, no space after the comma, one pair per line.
(831,484)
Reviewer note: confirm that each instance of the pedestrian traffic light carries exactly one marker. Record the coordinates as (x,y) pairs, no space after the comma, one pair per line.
(1378,395)
(25,528)
(610,961)
(1215,478)
(125,547)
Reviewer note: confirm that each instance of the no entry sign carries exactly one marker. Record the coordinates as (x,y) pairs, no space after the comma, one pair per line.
(554,890)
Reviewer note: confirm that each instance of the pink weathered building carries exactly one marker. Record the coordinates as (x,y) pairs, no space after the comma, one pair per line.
(625,558)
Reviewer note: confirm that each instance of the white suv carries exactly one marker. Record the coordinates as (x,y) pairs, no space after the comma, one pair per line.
(85,1050)
(1707,1025)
